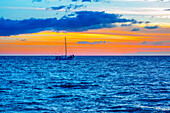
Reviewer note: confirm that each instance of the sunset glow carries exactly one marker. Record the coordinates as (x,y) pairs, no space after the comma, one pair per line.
(114,35)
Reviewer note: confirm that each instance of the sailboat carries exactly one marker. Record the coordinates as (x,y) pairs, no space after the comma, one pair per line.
(65,57)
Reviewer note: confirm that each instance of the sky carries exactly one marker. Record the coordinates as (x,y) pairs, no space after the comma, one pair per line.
(92,27)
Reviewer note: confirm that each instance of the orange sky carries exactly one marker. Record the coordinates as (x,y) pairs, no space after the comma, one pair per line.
(114,41)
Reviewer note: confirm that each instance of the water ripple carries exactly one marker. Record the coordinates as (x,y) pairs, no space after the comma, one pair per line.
(85,84)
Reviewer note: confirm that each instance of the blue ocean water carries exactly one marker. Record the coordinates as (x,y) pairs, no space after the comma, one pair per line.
(85,84)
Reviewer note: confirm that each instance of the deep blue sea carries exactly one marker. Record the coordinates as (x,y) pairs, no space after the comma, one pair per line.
(85,84)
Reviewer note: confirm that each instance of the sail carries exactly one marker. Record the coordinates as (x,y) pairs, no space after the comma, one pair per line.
(65,57)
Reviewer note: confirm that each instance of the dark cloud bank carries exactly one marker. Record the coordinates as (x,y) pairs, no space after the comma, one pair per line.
(84,21)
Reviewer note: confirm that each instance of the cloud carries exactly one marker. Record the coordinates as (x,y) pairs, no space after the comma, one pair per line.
(144,0)
(96,42)
(85,20)
(167,10)
(150,53)
(71,14)
(58,8)
(23,39)
(78,6)
(10,39)
(27,8)
(135,29)
(144,42)
(86,0)
(151,27)
(153,53)
(37,1)
(155,43)
(147,22)
(126,24)
(74,0)
(108,1)
(70,0)
(66,7)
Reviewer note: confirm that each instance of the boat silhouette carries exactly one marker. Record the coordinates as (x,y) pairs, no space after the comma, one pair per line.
(65,57)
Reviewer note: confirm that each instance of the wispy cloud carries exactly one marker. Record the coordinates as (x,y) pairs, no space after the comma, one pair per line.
(68,7)
(36,0)
(105,0)
(146,53)
(144,0)
(135,29)
(58,8)
(154,53)
(167,10)
(151,27)
(95,42)
(23,39)
(12,39)
(156,43)
(126,24)
(71,0)
(29,8)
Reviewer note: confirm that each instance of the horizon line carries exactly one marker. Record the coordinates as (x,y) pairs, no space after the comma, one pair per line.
(87,55)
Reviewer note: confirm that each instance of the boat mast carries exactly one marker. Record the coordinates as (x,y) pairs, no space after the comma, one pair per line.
(65,47)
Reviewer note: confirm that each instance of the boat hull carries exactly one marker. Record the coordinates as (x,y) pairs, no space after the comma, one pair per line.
(64,58)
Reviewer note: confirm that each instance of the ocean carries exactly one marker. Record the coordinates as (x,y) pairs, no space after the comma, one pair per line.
(30,84)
